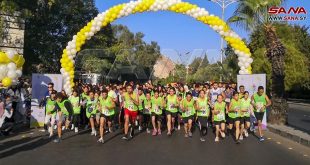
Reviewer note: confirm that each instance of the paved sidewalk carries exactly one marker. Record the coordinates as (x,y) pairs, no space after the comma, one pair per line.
(291,133)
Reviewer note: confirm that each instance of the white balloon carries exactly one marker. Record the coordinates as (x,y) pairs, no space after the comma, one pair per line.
(11,53)
(242,68)
(239,64)
(91,33)
(250,60)
(12,66)
(222,33)
(19,73)
(93,29)
(12,74)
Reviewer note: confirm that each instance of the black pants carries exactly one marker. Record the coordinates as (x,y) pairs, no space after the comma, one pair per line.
(6,127)
(83,117)
(203,125)
(147,121)
(76,120)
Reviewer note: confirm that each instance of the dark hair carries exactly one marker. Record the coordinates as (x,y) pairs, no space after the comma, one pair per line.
(235,92)
(51,84)
(55,92)
(172,88)
(260,87)
(202,91)
(188,93)
(59,95)
(104,91)
(246,92)
(241,86)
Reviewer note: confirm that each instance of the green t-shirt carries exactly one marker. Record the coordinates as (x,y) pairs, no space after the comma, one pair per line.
(91,107)
(147,106)
(204,110)
(245,105)
(50,106)
(129,104)
(219,107)
(259,102)
(235,105)
(172,100)
(106,103)
(62,107)
(141,100)
(75,105)
(189,108)
(157,104)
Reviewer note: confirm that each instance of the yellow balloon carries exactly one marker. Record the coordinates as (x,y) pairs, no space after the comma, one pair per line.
(6,82)
(4,58)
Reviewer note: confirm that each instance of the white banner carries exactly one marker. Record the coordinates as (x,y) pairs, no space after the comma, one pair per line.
(39,91)
(251,84)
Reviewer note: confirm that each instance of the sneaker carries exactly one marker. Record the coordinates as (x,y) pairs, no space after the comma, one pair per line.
(136,123)
(63,128)
(179,127)
(72,127)
(140,128)
(216,139)
(100,140)
(125,137)
(57,140)
(110,130)
(148,130)
(169,133)
(261,139)
(51,135)
(202,139)
(223,134)
(159,132)
(93,133)
(186,135)
(238,141)
(154,132)
(246,134)
(241,137)
(190,134)
(132,132)
(76,129)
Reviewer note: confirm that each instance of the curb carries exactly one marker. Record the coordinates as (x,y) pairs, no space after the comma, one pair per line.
(289,135)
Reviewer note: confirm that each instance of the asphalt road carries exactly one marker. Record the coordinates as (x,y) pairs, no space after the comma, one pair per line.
(147,150)
(299,116)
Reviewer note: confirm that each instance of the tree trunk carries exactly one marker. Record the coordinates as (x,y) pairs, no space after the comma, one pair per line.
(276,53)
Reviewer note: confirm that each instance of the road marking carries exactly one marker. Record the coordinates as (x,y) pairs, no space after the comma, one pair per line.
(290,148)
(305,155)
(268,138)
(278,142)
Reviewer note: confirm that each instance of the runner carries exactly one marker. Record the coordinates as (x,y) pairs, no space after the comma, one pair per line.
(157,105)
(241,91)
(219,117)
(64,112)
(50,116)
(214,92)
(84,97)
(188,112)
(171,110)
(141,107)
(203,112)
(234,116)
(75,101)
(246,110)
(260,102)
(107,109)
(131,103)
(180,100)
(91,110)
(147,112)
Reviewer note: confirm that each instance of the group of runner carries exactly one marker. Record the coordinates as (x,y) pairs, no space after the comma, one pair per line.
(151,108)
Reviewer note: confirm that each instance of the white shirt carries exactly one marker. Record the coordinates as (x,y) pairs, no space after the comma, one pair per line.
(7,113)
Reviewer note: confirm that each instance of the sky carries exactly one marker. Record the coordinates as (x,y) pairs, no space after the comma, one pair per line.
(178,34)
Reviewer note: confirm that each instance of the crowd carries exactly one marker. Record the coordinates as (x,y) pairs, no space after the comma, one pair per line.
(149,107)
(15,104)
(133,106)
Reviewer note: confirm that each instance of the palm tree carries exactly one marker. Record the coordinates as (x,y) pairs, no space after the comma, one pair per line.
(253,14)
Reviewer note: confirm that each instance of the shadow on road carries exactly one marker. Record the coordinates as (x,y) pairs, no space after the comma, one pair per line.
(33,143)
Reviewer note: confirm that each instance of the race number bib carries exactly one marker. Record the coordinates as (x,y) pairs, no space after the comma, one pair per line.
(188,113)
(221,116)
(130,106)
(90,109)
(156,109)
(146,111)
(237,108)
(259,106)
(107,112)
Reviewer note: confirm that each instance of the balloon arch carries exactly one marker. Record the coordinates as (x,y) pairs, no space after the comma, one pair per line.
(123,10)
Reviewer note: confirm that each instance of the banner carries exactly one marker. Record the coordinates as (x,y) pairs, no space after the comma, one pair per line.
(39,91)
(251,84)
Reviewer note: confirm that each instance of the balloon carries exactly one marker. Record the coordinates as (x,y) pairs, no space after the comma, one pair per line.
(6,82)
(12,66)
(12,74)
(11,54)
(19,73)
(4,58)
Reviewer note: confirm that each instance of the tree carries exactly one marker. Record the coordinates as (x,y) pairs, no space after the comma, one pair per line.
(296,58)
(251,14)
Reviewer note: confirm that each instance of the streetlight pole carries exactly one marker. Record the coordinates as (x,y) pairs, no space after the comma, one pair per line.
(223,4)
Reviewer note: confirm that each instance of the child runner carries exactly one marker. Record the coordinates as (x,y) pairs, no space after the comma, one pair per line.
(157,105)
(246,111)
(75,101)
(219,117)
